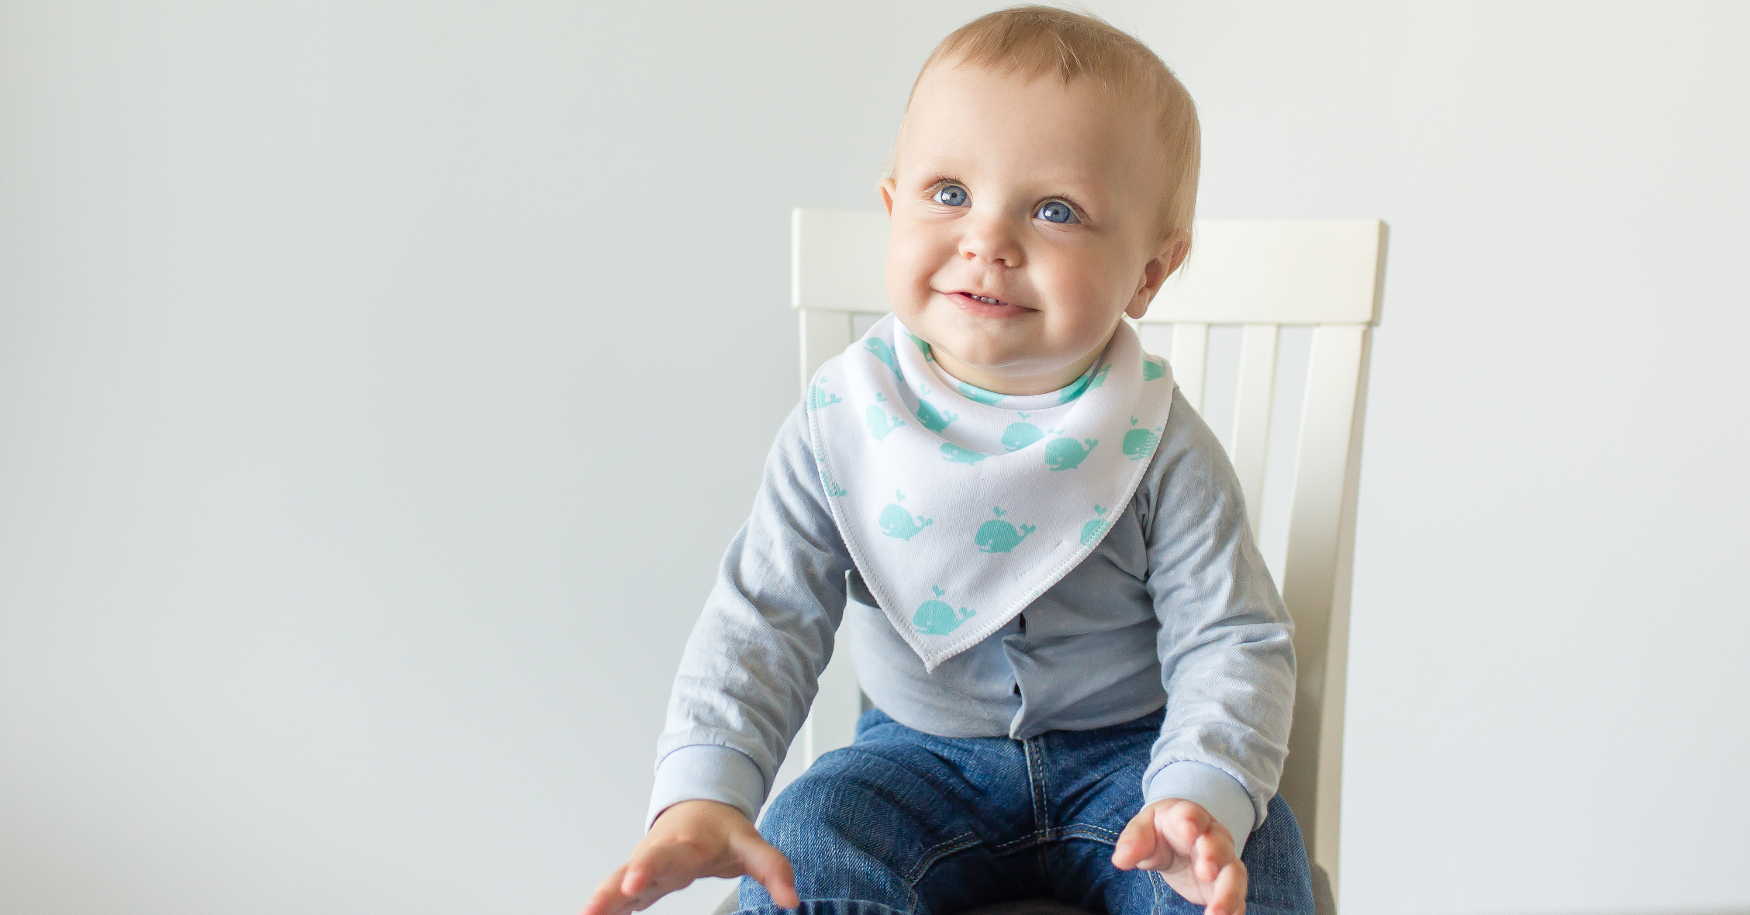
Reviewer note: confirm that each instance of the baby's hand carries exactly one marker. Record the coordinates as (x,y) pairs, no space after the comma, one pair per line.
(689,840)
(1195,854)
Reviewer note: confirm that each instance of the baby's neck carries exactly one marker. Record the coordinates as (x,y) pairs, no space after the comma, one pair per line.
(1014,385)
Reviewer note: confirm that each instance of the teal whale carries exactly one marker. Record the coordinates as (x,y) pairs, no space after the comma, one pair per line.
(879,422)
(922,345)
(1067,453)
(897,522)
(880,350)
(959,455)
(1096,528)
(818,397)
(1073,391)
(933,617)
(1140,443)
(980,394)
(1021,434)
(999,536)
(933,419)
(1153,368)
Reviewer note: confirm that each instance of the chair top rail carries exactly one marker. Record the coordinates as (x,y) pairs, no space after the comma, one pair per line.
(1288,272)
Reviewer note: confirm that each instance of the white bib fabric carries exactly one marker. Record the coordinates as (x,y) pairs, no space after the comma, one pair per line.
(961,505)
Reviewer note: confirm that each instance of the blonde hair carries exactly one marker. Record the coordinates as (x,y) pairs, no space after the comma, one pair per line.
(1038,41)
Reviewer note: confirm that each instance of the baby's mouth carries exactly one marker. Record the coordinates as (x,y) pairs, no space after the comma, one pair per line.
(986,305)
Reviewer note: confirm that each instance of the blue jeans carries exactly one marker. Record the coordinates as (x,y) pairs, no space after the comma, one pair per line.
(906,822)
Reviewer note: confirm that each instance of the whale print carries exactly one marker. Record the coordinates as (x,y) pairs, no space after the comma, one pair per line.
(879,422)
(999,536)
(956,454)
(1140,442)
(935,617)
(1021,434)
(1153,367)
(1100,376)
(895,521)
(933,419)
(922,345)
(1096,528)
(880,350)
(980,394)
(1075,390)
(818,397)
(1067,453)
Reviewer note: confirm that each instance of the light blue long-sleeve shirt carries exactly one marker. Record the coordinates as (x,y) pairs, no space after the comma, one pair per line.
(1175,607)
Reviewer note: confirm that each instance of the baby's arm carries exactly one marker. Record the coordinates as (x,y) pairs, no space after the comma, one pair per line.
(1226,648)
(749,673)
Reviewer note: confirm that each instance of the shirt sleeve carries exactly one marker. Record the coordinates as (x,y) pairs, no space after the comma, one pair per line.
(1226,642)
(753,661)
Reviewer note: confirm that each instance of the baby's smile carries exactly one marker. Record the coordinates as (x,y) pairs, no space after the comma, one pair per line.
(987,306)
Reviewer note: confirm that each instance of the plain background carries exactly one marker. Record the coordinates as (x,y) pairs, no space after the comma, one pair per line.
(380,383)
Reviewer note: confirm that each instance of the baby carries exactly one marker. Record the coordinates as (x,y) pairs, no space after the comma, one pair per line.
(1082,673)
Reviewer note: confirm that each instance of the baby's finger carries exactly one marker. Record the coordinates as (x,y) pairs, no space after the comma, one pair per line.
(660,869)
(1229,894)
(1136,842)
(1215,849)
(1183,825)
(769,866)
(643,873)
(607,898)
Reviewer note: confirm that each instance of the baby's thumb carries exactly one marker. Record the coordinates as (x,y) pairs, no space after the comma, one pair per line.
(769,866)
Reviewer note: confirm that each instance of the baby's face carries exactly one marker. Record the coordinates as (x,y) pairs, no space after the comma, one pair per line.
(1025,223)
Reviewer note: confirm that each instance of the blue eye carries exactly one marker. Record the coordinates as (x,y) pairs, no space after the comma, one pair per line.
(952,195)
(1056,211)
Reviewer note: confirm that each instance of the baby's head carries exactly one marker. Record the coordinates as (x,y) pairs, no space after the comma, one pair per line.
(1042,187)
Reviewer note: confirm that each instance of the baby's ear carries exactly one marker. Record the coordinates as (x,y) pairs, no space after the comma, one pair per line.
(887,186)
(1167,259)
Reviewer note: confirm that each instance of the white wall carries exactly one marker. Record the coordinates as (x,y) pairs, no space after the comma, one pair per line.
(349,532)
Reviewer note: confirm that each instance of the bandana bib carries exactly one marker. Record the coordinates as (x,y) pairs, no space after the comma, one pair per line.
(961,505)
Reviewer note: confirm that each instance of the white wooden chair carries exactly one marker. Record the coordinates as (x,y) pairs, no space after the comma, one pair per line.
(1261,275)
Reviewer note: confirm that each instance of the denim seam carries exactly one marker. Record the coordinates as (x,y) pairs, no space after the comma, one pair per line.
(1041,820)
(937,853)
(1086,831)
(1031,838)
(1041,808)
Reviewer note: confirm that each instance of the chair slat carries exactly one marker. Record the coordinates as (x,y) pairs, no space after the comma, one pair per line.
(1156,339)
(838,260)
(1293,271)
(1251,438)
(1315,581)
(825,334)
(1190,361)
(832,719)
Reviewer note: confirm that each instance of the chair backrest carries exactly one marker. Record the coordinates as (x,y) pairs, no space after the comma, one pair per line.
(1261,276)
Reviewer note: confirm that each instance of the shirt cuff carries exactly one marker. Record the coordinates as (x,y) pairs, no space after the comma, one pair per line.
(1220,793)
(704,772)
